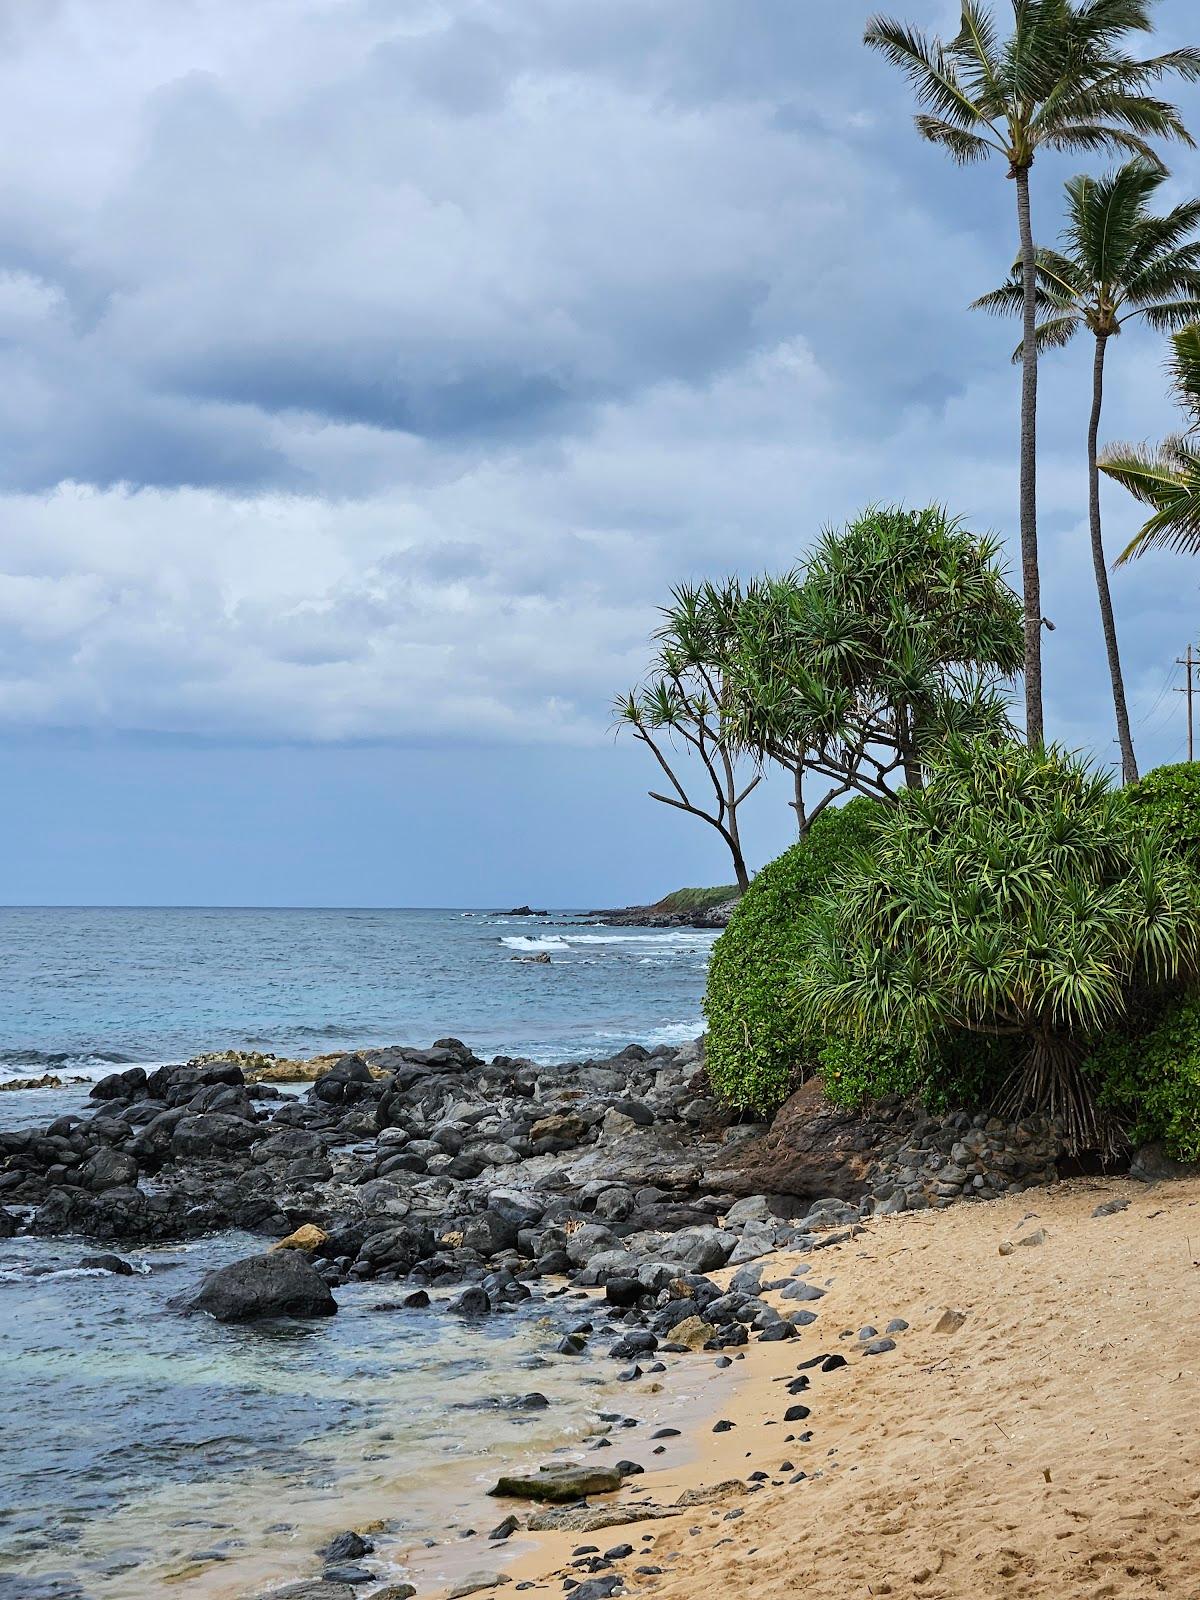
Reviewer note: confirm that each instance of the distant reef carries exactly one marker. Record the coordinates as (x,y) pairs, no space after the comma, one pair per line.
(685,908)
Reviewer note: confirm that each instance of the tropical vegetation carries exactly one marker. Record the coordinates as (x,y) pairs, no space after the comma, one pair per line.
(1061,80)
(759,1044)
(1019,895)
(1120,263)
(968,916)
(1167,478)
(893,634)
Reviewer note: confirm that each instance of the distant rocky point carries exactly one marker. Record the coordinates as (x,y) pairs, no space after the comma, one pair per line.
(685,908)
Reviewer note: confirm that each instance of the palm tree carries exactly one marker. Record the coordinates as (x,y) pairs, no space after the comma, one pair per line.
(1120,263)
(1167,478)
(1060,81)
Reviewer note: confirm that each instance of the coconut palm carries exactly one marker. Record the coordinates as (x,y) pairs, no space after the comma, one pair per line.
(1062,80)
(1120,263)
(1167,477)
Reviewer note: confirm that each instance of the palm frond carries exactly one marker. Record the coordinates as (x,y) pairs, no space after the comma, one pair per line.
(1053,335)
(927,66)
(1166,316)
(965,148)
(1168,479)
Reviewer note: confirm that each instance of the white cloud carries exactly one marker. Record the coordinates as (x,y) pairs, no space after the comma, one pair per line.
(371,372)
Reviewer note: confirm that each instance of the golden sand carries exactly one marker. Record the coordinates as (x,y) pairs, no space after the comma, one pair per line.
(1046,1447)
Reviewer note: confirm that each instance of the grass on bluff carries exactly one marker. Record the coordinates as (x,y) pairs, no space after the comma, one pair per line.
(697,900)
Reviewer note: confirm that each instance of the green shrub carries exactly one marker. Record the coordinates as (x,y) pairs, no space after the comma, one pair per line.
(1171,798)
(856,1070)
(1014,897)
(757,1045)
(1149,1077)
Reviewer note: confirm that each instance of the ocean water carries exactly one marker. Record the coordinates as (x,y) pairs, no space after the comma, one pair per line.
(144,1452)
(83,989)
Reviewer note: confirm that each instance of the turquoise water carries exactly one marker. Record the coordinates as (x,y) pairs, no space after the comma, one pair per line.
(145,1453)
(82,988)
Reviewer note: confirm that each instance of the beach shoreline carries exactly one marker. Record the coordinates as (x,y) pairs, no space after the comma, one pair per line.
(1029,1434)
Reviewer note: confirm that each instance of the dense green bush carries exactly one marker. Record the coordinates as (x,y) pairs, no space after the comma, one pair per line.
(1170,797)
(1014,897)
(1149,1073)
(856,1070)
(757,1046)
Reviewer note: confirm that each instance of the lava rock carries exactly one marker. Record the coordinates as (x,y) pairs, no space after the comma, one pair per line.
(280,1284)
(558,1483)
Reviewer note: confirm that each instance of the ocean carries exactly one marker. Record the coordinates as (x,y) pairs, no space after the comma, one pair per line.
(144,1452)
(83,989)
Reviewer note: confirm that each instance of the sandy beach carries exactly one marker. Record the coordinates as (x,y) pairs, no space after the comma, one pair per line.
(1038,1442)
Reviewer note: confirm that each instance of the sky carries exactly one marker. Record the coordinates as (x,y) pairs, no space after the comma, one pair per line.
(371,369)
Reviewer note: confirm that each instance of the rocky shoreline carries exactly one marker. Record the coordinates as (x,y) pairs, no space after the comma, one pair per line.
(476,1186)
(658,916)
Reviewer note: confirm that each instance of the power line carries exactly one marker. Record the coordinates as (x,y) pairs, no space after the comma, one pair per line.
(1172,674)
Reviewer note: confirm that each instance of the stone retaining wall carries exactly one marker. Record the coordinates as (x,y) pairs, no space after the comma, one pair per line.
(960,1157)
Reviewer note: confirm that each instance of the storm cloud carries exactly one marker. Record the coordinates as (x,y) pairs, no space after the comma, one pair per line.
(369,371)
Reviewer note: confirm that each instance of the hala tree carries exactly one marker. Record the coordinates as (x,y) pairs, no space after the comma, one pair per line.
(680,714)
(1061,80)
(1019,895)
(1167,477)
(1120,263)
(896,633)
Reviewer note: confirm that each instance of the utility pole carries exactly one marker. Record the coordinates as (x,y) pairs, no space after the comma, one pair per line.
(1189,661)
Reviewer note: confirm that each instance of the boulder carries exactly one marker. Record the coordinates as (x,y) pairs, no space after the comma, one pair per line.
(108,1169)
(212,1133)
(346,1082)
(812,1149)
(559,1483)
(308,1237)
(113,1264)
(313,1589)
(699,1249)
(400,1247)
(279,1284)
(121,1085)
(693,1332)
(1152,1164)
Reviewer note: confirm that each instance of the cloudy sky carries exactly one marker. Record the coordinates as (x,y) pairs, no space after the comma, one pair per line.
(369,369)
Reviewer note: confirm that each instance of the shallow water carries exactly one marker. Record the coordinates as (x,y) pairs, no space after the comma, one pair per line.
(145,1449)
(145,1453)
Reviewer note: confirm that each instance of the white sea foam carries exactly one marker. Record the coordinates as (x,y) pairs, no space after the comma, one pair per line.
(667,938)
(668,1033)
(671,940)
(90,1068)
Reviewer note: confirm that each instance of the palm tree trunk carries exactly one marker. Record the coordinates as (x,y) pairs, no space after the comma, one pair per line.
(1129,771)
(1030,577)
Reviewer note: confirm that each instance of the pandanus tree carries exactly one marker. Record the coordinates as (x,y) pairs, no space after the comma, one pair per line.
(680,714)
(1017,896)
(1167,477)
(897,632)
(1120,263)
(1061,80)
